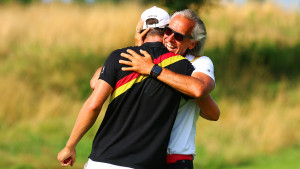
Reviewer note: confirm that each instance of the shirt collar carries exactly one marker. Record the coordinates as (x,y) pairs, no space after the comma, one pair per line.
(154,44)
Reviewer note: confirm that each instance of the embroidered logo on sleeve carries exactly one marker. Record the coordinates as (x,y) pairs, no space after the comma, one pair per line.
(102,71)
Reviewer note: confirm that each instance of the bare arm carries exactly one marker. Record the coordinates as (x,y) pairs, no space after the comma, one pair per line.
(86,118)
(95,77)
(197,86)
(208,108)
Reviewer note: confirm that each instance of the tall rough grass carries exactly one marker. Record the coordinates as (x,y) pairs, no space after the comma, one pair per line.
(260,23)
(98,28)
(264,124)
(49,52)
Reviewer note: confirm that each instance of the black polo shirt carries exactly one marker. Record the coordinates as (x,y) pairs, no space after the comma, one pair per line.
(137,125)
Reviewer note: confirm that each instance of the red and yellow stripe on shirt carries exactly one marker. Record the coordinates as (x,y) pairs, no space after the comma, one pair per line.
(128,81)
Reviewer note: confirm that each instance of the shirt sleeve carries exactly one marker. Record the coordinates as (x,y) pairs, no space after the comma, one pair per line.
(110,69)
(204,65)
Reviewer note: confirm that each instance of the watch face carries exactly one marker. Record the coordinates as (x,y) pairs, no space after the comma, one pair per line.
(157,71)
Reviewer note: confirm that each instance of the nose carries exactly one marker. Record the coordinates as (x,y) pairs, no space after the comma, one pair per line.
(171,38)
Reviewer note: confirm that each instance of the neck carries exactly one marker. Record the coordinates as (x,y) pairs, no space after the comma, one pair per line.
(153,39)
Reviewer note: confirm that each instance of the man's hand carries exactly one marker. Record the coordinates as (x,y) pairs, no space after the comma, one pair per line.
(138,63)
(67,157)
(140,36)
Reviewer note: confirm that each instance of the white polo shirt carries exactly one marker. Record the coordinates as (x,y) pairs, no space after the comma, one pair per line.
(182,140)
(100,165)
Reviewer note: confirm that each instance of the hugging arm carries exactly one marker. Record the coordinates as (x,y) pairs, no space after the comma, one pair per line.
(198,85)
(209,109)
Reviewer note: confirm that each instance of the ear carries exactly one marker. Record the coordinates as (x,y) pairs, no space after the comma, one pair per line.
(192,44)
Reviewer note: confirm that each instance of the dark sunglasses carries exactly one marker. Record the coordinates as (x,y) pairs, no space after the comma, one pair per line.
(178,36)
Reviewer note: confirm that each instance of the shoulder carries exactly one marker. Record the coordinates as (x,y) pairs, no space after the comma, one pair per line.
(123,50)
(202,61)
(204,65)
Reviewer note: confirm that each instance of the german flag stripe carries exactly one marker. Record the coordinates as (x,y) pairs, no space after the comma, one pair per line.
(122,89)
(128,81)
(163,57)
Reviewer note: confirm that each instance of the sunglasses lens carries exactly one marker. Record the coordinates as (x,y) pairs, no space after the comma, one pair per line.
(168,31)
(178,37)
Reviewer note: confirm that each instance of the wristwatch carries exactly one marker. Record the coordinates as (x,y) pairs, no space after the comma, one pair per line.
(155,71)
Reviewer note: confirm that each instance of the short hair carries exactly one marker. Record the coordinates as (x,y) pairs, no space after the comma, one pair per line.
(198,32)
(154,31)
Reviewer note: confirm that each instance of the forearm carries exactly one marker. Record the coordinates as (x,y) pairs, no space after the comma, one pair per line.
(208,108)
(189,85)
(89,112)
(85,120)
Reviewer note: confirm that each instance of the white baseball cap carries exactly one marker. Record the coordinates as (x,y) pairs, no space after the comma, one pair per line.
(161,15)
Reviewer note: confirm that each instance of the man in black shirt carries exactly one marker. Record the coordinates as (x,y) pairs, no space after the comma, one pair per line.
(137,125)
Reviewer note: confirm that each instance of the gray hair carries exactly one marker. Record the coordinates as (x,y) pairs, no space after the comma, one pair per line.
(198,32)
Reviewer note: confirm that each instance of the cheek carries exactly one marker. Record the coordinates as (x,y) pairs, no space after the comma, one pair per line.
(182,48)
(164,39)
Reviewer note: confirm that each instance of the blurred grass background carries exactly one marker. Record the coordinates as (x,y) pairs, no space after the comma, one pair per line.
(49,52)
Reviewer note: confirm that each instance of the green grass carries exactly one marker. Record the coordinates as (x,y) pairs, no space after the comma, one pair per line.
(28,148)
(37,148)
(287,158)
(284,159)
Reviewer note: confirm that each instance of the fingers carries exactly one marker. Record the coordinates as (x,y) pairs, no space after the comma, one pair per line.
(72,161)
(140,36)
(135,56)
(66,157)
(124,62)
(139,26)
(64,161)
(127,56)
(145,53)
(145,32)
(67,162)
(133,53)
(127,69)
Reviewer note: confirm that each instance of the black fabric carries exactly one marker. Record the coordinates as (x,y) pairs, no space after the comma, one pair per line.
(137,125)
(181,164)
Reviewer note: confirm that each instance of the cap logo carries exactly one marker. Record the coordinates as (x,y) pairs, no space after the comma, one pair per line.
(149,16)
